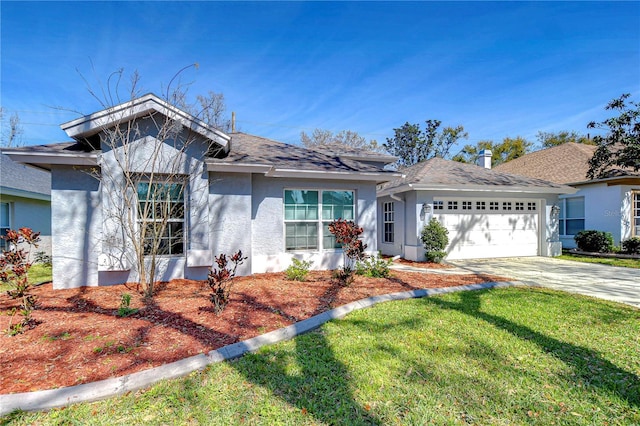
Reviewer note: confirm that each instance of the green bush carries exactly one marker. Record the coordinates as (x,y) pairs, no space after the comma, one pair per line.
(374,266)
(594,241)
(631,245)
(435,238)
(298,270)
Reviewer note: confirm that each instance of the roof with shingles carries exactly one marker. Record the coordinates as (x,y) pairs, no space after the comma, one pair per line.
(439,173)
(566,163)
(250,149)
(23,178)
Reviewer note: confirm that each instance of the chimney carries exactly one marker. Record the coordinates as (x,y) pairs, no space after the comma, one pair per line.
(484,158)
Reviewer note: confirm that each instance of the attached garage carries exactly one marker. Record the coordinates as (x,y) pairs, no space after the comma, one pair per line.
(497,228)
(488,214)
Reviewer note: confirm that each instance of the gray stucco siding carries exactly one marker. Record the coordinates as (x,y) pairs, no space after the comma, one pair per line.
(76,227)
(31,213)
(267,227)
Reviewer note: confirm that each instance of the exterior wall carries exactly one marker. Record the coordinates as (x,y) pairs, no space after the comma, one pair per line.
(31,213)
(419,209)
(76,219)
(267,225)
(607,208)
(230,216)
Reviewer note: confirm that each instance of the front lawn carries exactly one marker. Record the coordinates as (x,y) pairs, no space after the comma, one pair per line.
(39,273)
(505,356)
(627,263)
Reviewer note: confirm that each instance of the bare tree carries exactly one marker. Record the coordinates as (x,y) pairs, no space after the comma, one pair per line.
(322,138)
(146,162)
(12,130)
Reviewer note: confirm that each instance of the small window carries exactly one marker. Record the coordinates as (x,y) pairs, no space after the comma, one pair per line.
(571,215)
(519,206)
(481,205)
(5,223)
(438,205)
(494,205)
(466,205)
(532,206)
(635,214)
(452,205)
(506,205)
(388,222)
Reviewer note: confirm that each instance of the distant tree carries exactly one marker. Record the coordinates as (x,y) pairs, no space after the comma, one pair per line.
(507,150)
(11,134)
(620,147)
(551,139)
(212,111)
(412,145)
(346,138)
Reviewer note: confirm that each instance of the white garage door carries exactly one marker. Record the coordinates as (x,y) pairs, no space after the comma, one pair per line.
(489,228)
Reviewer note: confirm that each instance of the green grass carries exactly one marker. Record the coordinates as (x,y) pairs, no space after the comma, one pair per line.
(627,263)
(511,356)
(37,274)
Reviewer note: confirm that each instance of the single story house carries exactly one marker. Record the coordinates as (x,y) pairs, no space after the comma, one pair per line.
(487,213)
(611,204)
(25,201)
(228,192)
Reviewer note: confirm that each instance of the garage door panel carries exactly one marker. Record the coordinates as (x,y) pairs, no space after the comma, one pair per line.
(491,234)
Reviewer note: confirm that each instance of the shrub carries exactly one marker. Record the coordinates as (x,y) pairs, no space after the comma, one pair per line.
(125,309)
(348,234)
(221,279)
(373,266)
(594,241)
(42,258)
(631,245)
(298,270)
(435,238)
(14,270)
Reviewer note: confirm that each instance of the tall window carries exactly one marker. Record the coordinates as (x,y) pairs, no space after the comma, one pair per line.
(571,215)
(635,213)
(307,214)
(161,217)
(5,224)
(388,222)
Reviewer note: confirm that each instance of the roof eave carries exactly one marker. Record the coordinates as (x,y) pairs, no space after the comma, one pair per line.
(45,160)
(144,105)
(486,188)
(5,191)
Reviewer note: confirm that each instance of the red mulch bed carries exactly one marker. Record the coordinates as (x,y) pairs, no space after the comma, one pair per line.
(80,339)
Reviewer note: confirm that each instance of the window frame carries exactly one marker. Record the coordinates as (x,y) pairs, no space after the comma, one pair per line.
(172,241)
(321,223)
(5,227)
(562,217)
(388,222)
(635,213)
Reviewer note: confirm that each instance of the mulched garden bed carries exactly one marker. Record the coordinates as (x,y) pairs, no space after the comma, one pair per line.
(80,339)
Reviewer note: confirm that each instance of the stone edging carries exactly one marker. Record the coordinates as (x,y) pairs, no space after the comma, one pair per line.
(604,255)
(103,389)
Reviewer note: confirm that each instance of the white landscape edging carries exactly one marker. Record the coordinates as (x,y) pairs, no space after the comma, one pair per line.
(103,389)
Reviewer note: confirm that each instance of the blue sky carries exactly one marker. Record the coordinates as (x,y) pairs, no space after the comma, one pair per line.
(499,69)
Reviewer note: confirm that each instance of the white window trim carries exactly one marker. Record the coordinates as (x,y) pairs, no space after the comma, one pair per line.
(319,221)
(388,217)
(635,208)
(563,216)
(7,226)
(178,180)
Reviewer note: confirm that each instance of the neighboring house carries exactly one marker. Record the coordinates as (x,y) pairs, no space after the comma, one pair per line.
(611,204)
(271,200)
(25,201)
(487,213)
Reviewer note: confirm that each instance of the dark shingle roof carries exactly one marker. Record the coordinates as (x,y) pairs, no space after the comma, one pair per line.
(440,173)
(249,149)
(22,178)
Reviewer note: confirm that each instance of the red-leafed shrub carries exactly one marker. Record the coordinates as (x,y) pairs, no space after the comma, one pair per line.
(220,279)
(348,235)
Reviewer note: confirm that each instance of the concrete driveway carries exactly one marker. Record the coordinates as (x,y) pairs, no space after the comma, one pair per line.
(603,281)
